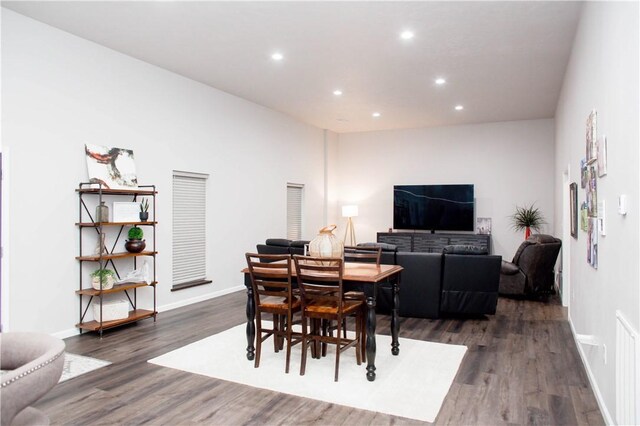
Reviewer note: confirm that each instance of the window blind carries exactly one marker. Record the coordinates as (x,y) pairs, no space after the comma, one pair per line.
(294,211)
(189,227)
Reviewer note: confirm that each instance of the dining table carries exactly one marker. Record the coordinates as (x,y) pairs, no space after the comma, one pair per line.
(357,276)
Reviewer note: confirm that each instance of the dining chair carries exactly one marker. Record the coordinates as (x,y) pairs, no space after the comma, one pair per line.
(363,254)
(322,296)
(273,294)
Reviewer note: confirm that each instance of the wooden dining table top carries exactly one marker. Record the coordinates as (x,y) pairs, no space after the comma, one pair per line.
(361,272)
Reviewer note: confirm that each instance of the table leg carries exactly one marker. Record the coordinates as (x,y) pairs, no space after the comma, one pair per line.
(395,324)
(251,326)
(371,338)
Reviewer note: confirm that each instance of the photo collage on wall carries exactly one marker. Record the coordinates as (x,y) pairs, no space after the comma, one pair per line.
(594,165)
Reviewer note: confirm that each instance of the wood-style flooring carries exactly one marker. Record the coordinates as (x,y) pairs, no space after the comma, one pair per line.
(522,367)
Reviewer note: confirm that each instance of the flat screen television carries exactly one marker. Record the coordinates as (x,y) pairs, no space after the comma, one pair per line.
(433,207)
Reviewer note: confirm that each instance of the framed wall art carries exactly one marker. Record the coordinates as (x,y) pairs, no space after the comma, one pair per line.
(602,155)
(573,208)
(114,168)
(591,135)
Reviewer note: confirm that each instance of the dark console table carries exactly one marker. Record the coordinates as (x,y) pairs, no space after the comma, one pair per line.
(424,242)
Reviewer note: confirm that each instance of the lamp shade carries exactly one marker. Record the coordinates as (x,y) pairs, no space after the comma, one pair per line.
(350,211)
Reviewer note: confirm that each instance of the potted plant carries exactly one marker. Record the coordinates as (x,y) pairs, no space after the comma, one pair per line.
(102,279)
(135,243)
(144,210)
(527,218)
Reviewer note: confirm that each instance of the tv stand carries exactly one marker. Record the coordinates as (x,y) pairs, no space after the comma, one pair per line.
(430,242)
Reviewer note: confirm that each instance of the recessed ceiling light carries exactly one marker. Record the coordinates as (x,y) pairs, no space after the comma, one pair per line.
(459,108)
(406,35)
(337,92)
(277,56)
(440,81)
(375,114)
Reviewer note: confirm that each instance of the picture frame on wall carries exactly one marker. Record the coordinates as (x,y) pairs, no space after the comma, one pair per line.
(602,155)
(591,135)
(573,208)
(584,173)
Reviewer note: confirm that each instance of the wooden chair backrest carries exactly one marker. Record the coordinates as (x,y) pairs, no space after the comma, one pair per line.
(320,279)
(362,254)
(270,275)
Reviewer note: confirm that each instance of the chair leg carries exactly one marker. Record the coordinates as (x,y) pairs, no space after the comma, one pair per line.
(303,361)
(256,364)
(325,332)
(288,327)
(358,342)
(338,346)
(363,333)
(282,328)
(276,322)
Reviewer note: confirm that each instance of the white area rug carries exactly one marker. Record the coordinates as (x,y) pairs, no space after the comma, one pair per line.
(412,384)
(75,365)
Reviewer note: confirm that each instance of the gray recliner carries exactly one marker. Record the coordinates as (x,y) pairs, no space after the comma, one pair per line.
(33,364)
(531,272)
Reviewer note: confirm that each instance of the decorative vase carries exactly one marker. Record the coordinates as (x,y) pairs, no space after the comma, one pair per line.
(144,216)
(527,232)
(102,212)
(326,244)
(107,282)
(135,246)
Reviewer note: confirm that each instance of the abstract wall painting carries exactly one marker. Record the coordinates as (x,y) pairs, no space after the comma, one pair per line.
(591,135)
(601,143)
(584,173)
(483,225)
(112,167)
(584,217)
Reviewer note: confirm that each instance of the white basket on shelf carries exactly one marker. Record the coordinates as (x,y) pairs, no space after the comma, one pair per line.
(111,310)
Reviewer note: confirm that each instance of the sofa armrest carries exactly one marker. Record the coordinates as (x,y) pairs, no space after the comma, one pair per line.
(508,268)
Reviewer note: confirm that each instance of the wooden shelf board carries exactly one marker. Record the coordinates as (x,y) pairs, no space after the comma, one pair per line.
(116,191)
(116,256)
(96,224)
(135,315)
(116,288)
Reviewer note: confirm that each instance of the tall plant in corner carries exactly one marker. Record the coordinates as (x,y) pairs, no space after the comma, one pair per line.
(527,218)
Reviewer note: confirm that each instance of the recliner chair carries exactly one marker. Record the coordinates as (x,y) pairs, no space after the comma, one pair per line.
(531,272)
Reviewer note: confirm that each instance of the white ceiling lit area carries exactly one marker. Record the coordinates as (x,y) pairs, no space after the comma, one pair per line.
(347,66)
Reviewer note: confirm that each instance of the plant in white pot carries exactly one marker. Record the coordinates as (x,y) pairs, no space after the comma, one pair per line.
(103,279)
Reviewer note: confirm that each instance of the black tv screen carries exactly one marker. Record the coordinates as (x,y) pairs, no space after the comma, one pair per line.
(433,207)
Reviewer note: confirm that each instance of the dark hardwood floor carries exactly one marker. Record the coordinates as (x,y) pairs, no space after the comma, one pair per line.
(522,367)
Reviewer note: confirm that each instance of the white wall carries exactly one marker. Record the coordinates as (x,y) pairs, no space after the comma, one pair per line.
(603,75)
(60,91)
(510,163)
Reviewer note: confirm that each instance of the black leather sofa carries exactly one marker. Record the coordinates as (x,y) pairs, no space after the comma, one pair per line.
(461,280)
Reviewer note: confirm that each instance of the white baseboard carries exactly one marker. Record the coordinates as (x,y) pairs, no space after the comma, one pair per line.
(592,380)
(200,298)
(74,331)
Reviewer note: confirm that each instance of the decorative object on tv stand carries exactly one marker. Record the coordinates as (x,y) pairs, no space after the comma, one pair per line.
(483,226)
(326,244)
(135,243)
(527,218)
(350,212)
(102,279)
(102,212)
(112,167)
(144,210)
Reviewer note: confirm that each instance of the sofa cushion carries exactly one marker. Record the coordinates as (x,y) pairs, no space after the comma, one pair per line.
(383,246)
(543,239)
(420,284)
(463,249)
(508,268)
(299,243)
(281,242)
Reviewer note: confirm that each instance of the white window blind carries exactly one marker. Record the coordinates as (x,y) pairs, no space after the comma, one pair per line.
(189,227)
(294,211)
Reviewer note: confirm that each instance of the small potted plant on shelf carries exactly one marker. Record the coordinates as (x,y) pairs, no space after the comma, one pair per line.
(102,279)
(144,210)
(527,218)
(135,243)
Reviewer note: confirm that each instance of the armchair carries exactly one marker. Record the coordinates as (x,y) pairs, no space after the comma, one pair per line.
(531,270)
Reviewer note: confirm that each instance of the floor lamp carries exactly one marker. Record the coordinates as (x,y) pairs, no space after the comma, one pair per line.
(350,212)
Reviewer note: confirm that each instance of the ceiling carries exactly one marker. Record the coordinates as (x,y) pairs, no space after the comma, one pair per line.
(501,60)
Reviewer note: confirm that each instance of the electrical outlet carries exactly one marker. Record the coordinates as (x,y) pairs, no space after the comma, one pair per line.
(604,353)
